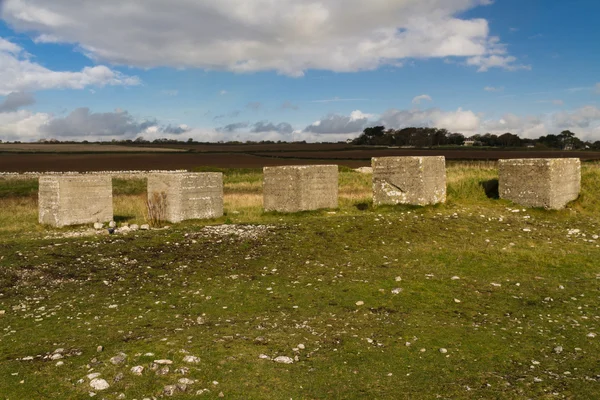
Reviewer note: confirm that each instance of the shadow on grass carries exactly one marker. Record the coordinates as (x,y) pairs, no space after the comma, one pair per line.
(123,218)
(491,188)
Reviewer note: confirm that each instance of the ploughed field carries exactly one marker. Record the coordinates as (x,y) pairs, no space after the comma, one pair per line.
(476,298)
(93,157)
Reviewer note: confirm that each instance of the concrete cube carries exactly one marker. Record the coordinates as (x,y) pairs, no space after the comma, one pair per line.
(409,180)
(540,182)
(188,195)
(300,188)
(75,199)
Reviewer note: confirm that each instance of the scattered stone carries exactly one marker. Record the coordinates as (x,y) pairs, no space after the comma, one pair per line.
(284,360)
(260,340)
(443,350)
(92,376)
(121,396)
(191,359)
(112,224)
(118,359)
(169,390)
(360,303)
(163,362)
(56,356)
(221,394)
(134,227)
(98,225)
(60,363)
(558,349)
(163,371)
(396,290)
(301,346)
(100,349)
(145,227)
(456,300)
(186,381)
(99,384)
(264,357)
(2,312)
(182,387)
(118,377)
(137,370)
(591,335)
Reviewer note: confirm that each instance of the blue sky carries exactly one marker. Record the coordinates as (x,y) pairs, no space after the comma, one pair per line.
(296,70)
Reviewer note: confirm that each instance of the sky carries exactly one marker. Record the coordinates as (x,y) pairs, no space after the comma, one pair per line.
(291,70)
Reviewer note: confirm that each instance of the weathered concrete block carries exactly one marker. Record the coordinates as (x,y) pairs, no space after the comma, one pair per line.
(409,180)
(188,195)
(540,182)
(300,188)
(75,199)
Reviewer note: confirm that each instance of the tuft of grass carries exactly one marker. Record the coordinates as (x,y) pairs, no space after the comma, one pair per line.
(156,208)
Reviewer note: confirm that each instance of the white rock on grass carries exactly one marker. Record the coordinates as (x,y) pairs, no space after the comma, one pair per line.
(145,227)
(118,359)
(92,376)
(98,225)
(163,362)
(284,360)
(137,370)
(99,384)
(191,359)
(112,224)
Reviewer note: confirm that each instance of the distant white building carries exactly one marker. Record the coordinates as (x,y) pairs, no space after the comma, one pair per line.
(469,143)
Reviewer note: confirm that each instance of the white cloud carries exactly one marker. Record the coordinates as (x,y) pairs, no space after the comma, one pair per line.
(456,121)
(287,36)
(16,100)
(223,92)
(423,97)
(22,125)
(340,124)
(493,89)
(584,121)
(19,74)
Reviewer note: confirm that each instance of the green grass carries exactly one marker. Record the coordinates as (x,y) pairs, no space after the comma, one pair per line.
(526,287)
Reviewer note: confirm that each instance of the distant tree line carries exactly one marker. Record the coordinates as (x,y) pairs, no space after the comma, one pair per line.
(405,137)
(434,137)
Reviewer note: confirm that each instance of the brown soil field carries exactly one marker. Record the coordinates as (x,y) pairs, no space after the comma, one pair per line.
(79,148)
(451,154)
(355,157)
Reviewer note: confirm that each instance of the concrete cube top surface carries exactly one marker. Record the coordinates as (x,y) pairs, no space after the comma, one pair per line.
(539,161)
(300,167)
(407,158)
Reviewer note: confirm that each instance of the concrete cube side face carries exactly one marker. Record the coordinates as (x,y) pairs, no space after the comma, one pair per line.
(319,187)
(74,200)
(188,196)
(547,183)
(48,201)
(300,188)
(202,196)
(565,181)
(409,180)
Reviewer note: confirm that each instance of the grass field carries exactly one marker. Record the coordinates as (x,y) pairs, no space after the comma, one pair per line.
(476,298)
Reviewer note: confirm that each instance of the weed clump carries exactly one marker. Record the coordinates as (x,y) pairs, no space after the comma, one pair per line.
(156,206)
